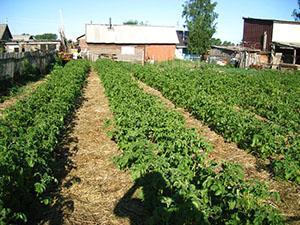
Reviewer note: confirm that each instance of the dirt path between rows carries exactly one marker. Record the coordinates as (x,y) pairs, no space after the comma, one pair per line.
(224,151)
(28,89)
(92,188)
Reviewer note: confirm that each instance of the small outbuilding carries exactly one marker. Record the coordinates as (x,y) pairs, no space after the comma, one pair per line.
(137,43)
(278,38)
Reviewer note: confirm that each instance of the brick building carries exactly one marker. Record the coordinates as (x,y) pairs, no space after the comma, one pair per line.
(137,43)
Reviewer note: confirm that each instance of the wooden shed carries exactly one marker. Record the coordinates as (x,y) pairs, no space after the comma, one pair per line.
(136,43)
(261,33)
(278,38)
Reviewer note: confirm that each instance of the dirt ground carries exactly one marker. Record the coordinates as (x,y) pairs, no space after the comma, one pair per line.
(224,151)
(93,190)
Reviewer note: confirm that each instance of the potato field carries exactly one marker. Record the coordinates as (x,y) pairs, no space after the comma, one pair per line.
(166,170)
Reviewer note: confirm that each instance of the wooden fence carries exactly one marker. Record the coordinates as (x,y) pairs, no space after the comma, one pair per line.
(16,65)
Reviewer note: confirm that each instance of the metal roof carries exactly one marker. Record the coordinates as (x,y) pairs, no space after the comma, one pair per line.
(235,48)
(130,34)
(3,28)
(23,37)
(288,44)
(272,20)
(32,42)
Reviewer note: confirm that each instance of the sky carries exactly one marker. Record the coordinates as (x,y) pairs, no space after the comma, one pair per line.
(43,16)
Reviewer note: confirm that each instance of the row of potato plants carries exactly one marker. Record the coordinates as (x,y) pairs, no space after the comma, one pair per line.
(29,133)
(266,93)
(169,162)
(265,139)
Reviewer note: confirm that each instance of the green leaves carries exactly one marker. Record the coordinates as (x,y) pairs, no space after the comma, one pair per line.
(29,132)
(200,18)
(257,110)
(168,161)
(39,188)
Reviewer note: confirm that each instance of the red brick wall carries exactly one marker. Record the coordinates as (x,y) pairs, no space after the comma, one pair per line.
(160,52)
(254,31)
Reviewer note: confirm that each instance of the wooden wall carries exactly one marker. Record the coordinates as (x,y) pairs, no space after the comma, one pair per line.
(253,33)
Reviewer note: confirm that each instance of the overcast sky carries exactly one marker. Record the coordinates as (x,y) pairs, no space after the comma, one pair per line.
(42,16)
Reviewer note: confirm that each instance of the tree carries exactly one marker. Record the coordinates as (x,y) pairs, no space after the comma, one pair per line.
(133,22)
(228,43)
(216,41)
(46,36)
(200,19)
(296,13)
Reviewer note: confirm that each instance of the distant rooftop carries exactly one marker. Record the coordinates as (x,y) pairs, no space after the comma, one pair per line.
(3,28)
(272,20)
(23,37)
(130,34)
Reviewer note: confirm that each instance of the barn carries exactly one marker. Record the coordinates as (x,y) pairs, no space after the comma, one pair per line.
(135,43)
(275,37)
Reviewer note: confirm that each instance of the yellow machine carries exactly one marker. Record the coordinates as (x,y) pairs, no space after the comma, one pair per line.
(65,53)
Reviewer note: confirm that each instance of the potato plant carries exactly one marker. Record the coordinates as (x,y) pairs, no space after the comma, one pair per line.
(229,104)
(180,185)
(29,133)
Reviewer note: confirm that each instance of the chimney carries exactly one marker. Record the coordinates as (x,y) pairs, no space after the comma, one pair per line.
(110,25)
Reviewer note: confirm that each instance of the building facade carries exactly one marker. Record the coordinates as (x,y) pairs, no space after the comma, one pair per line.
(135,43)
(274,37)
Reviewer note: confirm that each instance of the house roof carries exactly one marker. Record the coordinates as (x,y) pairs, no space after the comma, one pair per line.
(3,28)
(130,34)
(22,37)
(34,42)
(234,48)
(288,44)
(272,20)
(81,36)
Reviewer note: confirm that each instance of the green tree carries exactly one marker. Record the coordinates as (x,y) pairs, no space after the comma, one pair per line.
(228,43)
(133,22)
(296,13)
(216,41)
(200,19)
(46,36)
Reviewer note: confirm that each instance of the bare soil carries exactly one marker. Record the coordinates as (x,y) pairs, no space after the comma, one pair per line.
(92,189)
(253,167)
